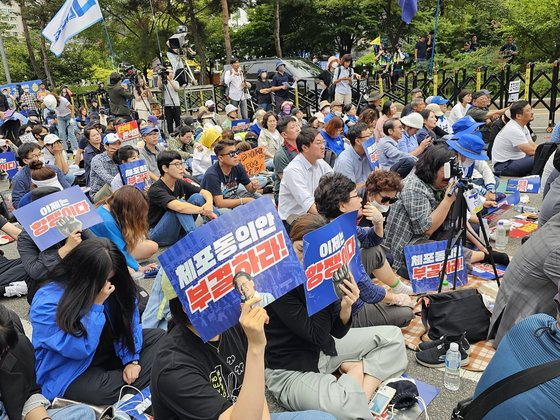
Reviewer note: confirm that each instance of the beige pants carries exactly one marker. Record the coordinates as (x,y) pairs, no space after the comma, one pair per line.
(346,99)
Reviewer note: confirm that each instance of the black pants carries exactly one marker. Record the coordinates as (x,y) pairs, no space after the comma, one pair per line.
(172,115)
(101,383)
(10,272)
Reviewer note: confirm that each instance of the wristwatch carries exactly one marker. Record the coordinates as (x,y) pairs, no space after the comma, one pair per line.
(135,362)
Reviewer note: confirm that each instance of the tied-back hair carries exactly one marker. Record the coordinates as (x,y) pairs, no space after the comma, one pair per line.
(129,207)
(40,172)
(82,275)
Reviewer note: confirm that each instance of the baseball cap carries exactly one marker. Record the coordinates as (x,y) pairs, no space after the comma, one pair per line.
(209,103)
(51,139)
(414,120)
(148,129)
(230,108)
(153,119)
(440,100)
(435,109)
(111,138)
(481,92)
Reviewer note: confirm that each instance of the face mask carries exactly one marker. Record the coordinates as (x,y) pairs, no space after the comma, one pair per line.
(286,109)
(381,207)
(467,163)
(338,113)
(327,109)
(334,65)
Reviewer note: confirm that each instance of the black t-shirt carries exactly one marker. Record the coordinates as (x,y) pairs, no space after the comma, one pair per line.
(422,48)
(263,98)
(219,184)
(326,77)
(160,196)
(191,380)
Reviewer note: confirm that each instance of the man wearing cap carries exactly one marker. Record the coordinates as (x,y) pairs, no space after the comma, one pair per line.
(211,107)
(373,102)
(415,105)
(479,112)
(353,162)
(408,142)
(514,149)
(388,153)
(151,148)
(231,115)
(21,182)
(281,82)
(29,99)
(335,111)
(442,122)
(263,89)
(104,169)
(54,154)
(238,93)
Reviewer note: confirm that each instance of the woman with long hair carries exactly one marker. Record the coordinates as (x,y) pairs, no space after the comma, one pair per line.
(125,222)
(82,119)
(430,121)
(86,327)
(142,98)
(388,111)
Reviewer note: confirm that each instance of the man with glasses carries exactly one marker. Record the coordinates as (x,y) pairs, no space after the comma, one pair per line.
(388,152)
(54,154)
(302,176)
(245,286)
(353,161)
(175,203)
(21,182)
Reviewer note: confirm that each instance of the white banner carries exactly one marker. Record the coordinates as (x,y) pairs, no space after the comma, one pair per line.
(73,17)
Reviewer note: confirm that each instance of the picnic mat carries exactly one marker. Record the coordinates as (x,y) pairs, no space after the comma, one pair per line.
(481,352)
(5,239)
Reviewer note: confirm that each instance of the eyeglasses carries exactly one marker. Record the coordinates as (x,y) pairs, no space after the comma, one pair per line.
(28,131)
(178,165)
(231,154)
(355,196)
(390,200)
(35,156)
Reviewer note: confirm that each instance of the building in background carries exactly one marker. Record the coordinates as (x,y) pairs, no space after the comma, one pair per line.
(10,20)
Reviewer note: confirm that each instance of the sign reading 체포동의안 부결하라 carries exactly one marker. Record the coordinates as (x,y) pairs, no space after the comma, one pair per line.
(135,173)
(325,250)
(53,218)
(8,163)
(201,266)
(128,131)
(370,148)
(253,161)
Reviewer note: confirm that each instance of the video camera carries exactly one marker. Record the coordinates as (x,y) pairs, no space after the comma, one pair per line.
(129,72)
(452,169)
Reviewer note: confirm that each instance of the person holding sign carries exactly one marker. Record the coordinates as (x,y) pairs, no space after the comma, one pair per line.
(86,328)
(126,154)
(222,378)
(104,168)
(175,203)
(225,176)
(353,161)
(303,352)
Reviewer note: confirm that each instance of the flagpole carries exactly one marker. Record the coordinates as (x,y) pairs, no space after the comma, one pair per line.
(113,60)
(434,40)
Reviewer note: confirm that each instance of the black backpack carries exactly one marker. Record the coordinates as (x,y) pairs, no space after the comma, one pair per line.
(542,154)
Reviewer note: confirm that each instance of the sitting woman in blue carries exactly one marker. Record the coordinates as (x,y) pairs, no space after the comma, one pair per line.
(331,132)
(86,328)
(125,222)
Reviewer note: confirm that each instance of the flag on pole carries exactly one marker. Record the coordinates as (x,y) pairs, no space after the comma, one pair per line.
(409,8)
(73,17)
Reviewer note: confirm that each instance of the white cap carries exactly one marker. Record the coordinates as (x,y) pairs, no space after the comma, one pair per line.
(51,139)
(413,120)
(230,108)
(209,103)
(454,346)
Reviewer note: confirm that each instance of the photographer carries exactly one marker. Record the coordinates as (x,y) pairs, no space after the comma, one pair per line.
(172,103)
(118,96)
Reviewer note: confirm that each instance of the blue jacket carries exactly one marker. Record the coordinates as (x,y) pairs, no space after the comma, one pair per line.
(22,183)
(336,144)
(110,230)
(61,357)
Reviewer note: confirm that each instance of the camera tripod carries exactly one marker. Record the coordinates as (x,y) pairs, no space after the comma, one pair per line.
(458,234)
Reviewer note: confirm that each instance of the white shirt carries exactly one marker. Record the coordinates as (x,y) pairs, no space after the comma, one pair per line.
(458,112)
(507,141)
(299,181)
(171,93)
(234,82)
(444,124)
(62,109)
(49,157)
(202,160)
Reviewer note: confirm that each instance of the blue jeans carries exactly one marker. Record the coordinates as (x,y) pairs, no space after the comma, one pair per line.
(302,415)
(150,318)
(242,105)
(168,229)
(66,132)
(72,412)
(520,167)
(269,164)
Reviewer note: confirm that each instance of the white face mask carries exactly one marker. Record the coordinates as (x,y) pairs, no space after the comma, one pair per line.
(338,113)
(467,163)
(381,207)
(327,109)
(334,65)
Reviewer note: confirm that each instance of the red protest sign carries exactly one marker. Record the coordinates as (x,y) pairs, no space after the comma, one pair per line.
(128,131)
(521,228)
(253,160)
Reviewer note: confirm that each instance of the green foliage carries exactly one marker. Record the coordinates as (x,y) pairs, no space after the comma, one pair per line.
(18,61)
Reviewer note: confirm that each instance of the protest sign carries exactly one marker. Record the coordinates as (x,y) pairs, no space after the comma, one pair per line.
(137,405)
(424,263)
(53,218)
(239,126)
(201,265)
(485,271)
(253,161)
(325,250)
(370,148)
(27,138)
(513,91)
(128,131)
(135,173)
(33,86)
(529,184)
(8,163)
(521,228)
(493,214)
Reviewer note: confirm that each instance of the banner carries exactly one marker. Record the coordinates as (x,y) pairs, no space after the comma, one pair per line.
(485,271)
(73,17)
(370,147)
(325,250)
(135,173)
(424,262)
(529,184)
(137,405)
(521,228)
(12,87)
(8,163)
(253,161)
(53,218)
(128,131)
(238,126)
(201,266)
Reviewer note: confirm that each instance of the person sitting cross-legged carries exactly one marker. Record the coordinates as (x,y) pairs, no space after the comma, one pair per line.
(174,202)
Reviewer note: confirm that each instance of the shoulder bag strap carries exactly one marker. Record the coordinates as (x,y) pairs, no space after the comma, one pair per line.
(510,387)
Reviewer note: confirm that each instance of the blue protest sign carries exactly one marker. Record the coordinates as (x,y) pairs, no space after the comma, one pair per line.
(325,250)
(137,405)
(53,218)
(201,265)
(370,148)
(238,126)
(529,184)
(12,87)
(135,173)
(485,271)
(424,262)
(8,163)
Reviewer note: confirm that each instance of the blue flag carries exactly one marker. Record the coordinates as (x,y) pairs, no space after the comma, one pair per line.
(409,8)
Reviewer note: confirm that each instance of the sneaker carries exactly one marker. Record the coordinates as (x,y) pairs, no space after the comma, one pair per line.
(434,357)
(425,345)
(402,288)
(18,288)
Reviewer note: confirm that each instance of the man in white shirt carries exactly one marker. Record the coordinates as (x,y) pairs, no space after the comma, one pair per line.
(301,176)
(171,100)
(237,86)
(514,149)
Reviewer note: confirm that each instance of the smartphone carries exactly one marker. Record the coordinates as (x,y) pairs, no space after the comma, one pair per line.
(381,400)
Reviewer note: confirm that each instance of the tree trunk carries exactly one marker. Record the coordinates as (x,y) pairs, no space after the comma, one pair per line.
(277,28)
(225,24)
(198,44)
(46,60)
(31,52)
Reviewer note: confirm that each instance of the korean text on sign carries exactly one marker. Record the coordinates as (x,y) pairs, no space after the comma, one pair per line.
(253,161)
(370,148)
(8,163)
(128,131)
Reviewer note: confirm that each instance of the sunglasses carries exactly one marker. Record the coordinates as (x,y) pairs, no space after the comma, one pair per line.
(231,154)
(390,200)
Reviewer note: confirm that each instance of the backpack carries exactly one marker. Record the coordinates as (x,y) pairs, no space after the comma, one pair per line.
(542,154)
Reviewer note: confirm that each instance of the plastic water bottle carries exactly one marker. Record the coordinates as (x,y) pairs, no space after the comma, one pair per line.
(452,376)
(501,236)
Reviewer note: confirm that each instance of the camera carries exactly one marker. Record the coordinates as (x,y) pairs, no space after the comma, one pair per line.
(452,169)
(129,72)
